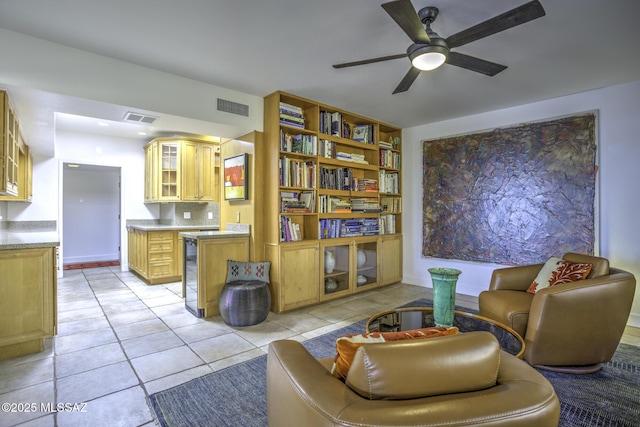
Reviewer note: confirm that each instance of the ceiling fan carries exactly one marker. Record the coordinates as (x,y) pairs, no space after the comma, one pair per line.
(429,50)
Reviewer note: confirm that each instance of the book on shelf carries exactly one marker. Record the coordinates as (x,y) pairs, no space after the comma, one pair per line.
(303,144)
(291,115)
(328,148)
(309,200)
(365,184)
(297,173)
(366,205)
(330,228)
(289,230)
(389,159)
(297,202)
(364,133)
(351,157)
(391,204)
(334,204)
(389,182)
(336,179)
(387,224)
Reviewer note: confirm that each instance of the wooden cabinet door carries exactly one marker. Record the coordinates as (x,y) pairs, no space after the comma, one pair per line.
(169,171)
(391,258)
(28,303)
(207,172)
(299,275)
(8,148)
(189,161)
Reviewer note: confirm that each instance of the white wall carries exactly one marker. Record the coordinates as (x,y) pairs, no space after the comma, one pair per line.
(619,151)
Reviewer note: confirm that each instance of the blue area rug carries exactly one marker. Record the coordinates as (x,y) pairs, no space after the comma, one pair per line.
(236,396)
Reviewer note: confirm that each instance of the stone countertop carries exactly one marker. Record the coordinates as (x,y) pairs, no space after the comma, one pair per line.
(161,227)
(28,239)
(214,234)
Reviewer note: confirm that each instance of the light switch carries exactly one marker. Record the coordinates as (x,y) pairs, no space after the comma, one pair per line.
(187,215)
(210,215)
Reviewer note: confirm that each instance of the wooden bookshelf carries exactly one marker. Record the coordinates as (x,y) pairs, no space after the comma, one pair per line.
(323,194)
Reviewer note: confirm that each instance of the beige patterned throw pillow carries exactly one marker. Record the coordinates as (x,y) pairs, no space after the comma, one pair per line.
(557,271)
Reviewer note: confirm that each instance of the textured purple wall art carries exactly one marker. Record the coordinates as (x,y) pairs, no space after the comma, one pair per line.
(514,196)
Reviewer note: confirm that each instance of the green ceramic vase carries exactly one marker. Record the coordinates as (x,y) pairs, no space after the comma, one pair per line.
(444,294)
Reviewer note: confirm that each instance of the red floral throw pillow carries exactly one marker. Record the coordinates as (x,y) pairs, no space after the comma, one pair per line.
(347,346)
(557,271)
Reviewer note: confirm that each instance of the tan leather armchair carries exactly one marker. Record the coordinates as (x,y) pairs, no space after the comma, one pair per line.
(458,380)
(573,327)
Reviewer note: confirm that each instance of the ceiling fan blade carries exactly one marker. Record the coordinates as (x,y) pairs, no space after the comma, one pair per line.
(519,15)
(474,64)
(370,61)
(407,81)
(405,15)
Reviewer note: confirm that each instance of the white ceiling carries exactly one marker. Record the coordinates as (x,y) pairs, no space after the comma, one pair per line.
(259,46)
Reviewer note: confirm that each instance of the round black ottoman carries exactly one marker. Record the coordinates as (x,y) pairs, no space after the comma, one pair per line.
(244,302)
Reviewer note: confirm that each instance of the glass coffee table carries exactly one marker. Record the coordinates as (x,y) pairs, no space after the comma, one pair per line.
(404,319)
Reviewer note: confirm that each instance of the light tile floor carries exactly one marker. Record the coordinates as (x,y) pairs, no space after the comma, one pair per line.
(120,340)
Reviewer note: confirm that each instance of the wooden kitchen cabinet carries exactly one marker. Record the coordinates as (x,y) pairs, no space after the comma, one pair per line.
(181,170)
(156,255)
(9,147)
(25,176)
(200,163)
(28,311)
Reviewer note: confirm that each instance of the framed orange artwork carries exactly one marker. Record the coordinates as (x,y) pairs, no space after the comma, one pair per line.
(235,178)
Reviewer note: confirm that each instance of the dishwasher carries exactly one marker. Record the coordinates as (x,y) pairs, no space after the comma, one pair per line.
(190,277)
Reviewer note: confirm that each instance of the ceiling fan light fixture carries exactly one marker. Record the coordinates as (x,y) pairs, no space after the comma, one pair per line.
(428,57)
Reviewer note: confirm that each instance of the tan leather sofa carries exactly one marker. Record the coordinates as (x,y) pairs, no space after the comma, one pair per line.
(572,327)
(459,380)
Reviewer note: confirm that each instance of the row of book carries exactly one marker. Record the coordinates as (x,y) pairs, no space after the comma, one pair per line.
(366,184)
(336,179)
(333,204)
(289,230)
(390,159)
(387,224)
(297,202)
(365,204)
(303,144)
(389,182)
(330,228)
(331,123)
(351,157)
(297,173)
(391,204)
(291,115)
(335,228)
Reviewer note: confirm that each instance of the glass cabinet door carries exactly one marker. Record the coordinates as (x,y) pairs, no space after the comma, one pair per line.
(336,272)
(169,182)
(366,264)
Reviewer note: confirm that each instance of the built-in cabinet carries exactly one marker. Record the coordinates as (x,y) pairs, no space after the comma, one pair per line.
(181,170)
(156,255)
(15,158)
(28,312)
(332,194)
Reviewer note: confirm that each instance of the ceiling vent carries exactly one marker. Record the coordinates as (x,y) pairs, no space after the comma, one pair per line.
(139,118)
(233,107)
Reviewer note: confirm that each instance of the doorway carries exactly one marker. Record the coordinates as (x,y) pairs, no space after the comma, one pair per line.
(90,215)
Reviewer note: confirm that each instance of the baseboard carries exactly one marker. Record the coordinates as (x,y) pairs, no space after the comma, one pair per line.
(634,320)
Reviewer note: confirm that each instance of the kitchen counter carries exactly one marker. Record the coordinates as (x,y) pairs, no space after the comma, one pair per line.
(214,234)
(160,227)
(28,239)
